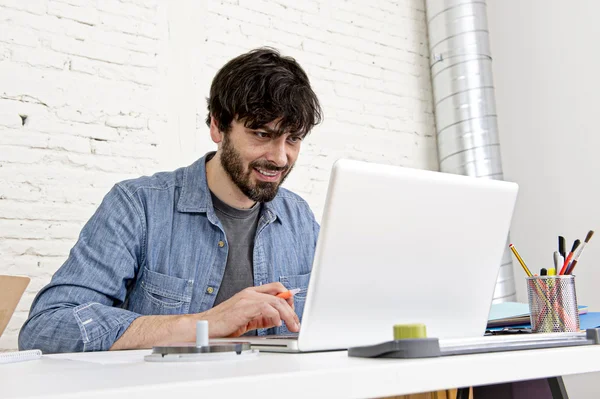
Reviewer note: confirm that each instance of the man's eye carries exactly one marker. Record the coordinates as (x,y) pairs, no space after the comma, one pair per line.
(295,139)
(262,135)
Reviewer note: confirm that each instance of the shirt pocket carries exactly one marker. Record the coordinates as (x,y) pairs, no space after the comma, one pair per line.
(296,281)
(162,294)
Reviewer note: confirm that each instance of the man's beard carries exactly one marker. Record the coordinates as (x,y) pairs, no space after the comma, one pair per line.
(261,191)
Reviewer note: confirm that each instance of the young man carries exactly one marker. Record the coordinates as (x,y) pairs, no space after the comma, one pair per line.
(213,241)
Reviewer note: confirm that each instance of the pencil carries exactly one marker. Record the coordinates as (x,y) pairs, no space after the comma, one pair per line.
(514,250)
(288,294)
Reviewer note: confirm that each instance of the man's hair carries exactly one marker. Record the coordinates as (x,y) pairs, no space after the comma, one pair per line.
(259,87)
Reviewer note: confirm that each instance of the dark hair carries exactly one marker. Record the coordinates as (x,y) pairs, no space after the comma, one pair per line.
(261,86)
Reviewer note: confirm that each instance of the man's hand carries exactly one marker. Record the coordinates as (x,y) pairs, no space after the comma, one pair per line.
(252,308)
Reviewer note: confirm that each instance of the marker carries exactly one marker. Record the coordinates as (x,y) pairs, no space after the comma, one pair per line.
(569,257)
(576,259)
(543,272)
(561,250)
(552,272)
(288,294)
(557,262)
(521,261)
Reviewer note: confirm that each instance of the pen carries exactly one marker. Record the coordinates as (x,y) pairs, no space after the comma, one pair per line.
(576,258)
(543,272)
(569,257)
(523,265)
(288,294)
(557,262)
(561,250)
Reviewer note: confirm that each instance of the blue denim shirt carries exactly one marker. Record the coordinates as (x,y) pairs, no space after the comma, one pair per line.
(156,247)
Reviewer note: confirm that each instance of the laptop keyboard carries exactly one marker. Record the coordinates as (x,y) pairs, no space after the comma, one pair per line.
(284,336)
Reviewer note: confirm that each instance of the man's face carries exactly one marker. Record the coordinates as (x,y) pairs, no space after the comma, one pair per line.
(257,160)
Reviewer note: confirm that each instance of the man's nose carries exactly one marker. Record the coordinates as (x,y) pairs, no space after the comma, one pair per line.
(277,152)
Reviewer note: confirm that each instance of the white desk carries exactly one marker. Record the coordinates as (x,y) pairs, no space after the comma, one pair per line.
(332,374)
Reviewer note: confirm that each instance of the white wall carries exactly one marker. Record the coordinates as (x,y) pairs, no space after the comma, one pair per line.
(546,67)
(86,74)
(115,89)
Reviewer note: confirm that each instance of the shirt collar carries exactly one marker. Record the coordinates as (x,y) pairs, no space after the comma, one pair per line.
(195,194)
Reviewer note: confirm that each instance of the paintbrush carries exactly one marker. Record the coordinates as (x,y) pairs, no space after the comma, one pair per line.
(576,258)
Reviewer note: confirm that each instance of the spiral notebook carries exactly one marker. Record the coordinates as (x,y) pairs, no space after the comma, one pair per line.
(20,356)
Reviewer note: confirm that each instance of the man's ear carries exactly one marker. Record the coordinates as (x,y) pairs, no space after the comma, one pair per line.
(215,134)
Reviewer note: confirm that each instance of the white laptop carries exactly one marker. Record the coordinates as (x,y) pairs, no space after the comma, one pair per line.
(400,245)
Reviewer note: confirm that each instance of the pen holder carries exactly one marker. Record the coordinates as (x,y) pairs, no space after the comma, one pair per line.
(553,304)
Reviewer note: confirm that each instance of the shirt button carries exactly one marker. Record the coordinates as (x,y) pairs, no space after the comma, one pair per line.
(210,290)
(221,244)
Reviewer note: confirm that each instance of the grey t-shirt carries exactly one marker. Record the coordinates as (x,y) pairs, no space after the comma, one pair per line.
(240,228)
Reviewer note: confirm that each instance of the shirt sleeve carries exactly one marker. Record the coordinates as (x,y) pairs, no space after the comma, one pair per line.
(81,309)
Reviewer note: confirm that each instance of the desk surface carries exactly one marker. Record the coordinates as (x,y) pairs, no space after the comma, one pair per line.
(125,374)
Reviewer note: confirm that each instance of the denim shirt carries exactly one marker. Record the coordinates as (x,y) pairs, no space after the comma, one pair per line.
(156,247)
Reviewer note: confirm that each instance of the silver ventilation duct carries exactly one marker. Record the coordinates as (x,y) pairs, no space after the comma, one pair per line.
(465,107)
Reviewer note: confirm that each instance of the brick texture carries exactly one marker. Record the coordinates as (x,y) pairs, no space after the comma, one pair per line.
(87,99)
(79,87)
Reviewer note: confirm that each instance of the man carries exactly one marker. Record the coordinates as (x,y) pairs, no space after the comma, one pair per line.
(213,241)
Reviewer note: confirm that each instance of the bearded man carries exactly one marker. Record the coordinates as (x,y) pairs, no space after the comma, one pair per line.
(216,241)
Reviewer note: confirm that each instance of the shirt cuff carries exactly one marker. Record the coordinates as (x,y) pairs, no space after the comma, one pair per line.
(100,325)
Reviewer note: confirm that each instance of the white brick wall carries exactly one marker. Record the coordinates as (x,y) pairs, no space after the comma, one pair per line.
(86,75)
(110,93)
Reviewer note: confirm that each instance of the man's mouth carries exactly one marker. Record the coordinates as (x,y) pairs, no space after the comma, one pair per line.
(267,172)
(268,175)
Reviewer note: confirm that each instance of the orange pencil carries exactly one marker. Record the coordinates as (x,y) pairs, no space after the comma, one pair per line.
(288,294)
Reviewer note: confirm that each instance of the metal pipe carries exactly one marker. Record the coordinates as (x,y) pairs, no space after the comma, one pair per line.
(464,101)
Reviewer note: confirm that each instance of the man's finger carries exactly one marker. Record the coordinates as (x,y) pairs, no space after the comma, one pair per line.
(271,288)
(286,313)
(270,313)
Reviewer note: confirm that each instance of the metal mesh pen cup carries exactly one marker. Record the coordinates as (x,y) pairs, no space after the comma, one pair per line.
(553,304)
